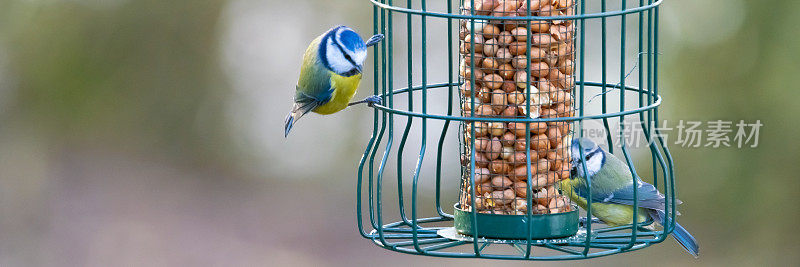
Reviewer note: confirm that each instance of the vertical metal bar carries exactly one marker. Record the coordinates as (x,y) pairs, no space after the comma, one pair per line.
(423,145)
(648,120)
(644,117)
(649,81)
(588,242)
(384,71)
(669,180)
(529,174)
(623,29)
(649,68)
(625,152)
(409,119)
(604,80)
(670,190)
(375,68)
(379,213)
(449,112)
(474,209)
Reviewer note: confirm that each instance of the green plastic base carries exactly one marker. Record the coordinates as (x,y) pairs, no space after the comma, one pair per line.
(543,226)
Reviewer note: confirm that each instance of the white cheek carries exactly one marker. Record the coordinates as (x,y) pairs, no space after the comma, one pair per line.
(360,56)
(594,164)
(336,60)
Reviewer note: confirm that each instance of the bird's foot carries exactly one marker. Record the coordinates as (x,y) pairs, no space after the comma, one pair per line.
(370,101)
(375,39)
(583,221)
(646,228)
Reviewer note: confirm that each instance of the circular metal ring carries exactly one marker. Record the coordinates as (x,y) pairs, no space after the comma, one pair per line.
(652,106)
(526,18)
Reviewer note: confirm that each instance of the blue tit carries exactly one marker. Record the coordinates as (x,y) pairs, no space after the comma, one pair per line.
(330,73)
(612,192)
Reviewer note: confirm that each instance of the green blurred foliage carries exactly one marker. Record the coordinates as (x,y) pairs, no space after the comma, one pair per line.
(743,200)
(131,74)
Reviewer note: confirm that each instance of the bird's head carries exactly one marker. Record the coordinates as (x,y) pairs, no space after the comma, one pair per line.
(343,51)
(594,156)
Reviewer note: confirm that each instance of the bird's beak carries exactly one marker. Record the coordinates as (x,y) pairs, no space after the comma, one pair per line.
(574,170)
(352,72)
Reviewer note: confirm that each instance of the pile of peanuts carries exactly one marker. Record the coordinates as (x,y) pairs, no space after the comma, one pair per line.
(494,70)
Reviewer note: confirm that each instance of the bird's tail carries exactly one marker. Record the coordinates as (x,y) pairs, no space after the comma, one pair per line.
(684,238)
(298,110)
(290,119)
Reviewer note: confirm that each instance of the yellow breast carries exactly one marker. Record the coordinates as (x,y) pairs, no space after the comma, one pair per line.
(611,214)
(344,90)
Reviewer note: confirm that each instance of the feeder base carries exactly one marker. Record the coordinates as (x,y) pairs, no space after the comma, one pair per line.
(453,234)
(543,226)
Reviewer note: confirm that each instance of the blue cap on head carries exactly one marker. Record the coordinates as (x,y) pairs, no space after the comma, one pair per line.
(351,41)
(342,51)
(586,143)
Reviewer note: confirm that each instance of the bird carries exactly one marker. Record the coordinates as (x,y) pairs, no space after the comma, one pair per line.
(330,74)
(612,192)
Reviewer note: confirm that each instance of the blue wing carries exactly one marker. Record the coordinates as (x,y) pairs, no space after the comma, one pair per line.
(313,100)
(648,195)
(304,103)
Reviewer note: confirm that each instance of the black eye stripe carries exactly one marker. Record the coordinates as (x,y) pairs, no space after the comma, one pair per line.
(344,52)
(588,156)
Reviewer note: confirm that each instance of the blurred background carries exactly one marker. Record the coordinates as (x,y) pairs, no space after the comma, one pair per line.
(149,132)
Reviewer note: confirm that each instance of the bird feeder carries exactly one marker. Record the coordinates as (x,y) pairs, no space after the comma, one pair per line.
(514,96)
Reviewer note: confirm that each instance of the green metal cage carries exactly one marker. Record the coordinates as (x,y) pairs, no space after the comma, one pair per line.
(424,225)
